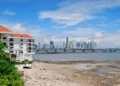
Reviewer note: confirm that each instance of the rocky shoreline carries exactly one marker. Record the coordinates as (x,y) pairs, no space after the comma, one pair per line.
(47,73)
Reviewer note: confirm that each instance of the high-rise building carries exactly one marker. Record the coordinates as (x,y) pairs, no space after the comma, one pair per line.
(64,46)
(39,45)
(85,45)
(52,45)
(70,45)
(82,45)
(78,45)
(67,42)
(92,45)
(45,46)
(88,45)
(36,46)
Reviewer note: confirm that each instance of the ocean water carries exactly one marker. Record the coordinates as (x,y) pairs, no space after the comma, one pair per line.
(77,56)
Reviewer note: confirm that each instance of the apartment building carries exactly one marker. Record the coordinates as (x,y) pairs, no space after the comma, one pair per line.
(21,45)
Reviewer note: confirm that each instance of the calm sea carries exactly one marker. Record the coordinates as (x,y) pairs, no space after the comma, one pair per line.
(77,56)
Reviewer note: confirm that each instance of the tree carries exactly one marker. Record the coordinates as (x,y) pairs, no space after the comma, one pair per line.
(9,76)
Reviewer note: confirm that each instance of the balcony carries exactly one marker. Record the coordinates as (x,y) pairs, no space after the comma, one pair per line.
(30,48)
(21,40)
(30,45)
(4,38)
(11,44)
(31,41)
(11,48)
(11,40)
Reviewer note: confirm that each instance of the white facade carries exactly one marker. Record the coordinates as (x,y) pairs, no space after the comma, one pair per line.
(21,45)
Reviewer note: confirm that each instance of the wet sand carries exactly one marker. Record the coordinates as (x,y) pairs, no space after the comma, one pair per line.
(63,74)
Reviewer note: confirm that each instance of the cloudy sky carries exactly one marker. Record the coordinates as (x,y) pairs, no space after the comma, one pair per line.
(80,20)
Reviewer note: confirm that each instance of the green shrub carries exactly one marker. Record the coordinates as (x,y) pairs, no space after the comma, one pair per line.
(9,76)
(23,62)
(29,62)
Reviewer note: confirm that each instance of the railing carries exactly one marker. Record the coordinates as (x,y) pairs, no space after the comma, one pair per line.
(30,41)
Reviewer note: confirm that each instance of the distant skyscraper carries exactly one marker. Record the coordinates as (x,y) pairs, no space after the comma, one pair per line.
(51,45)
(45,46)
(70,44)
(77,45)
(39,46)
(67,42)
(85,45)
(36,46)
(82,45)
(64,46)
(88,45)
(92,45)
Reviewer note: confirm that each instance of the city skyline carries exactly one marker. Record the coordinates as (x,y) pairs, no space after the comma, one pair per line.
(67,45)
(83,20)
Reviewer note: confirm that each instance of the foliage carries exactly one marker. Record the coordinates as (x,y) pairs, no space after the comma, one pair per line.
(2,46)
(29,62)
(23,62)
(9,76)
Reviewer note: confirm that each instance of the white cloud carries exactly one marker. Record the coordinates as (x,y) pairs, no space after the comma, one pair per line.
(98,34)
(72,13)
(104,39)
(34,31)
(9,13)
(82,32)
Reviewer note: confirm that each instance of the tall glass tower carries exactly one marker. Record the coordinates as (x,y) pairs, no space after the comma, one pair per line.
(67,42)
(51,44)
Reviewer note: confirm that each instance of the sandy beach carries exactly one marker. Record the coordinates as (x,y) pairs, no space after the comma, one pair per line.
(61,74)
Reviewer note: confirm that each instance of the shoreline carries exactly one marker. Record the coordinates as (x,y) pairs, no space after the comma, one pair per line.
(79,61)
(47,73)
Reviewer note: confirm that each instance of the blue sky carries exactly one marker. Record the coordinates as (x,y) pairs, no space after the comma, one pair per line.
(80,20)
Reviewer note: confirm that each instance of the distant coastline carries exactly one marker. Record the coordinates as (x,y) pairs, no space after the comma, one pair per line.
(65,51)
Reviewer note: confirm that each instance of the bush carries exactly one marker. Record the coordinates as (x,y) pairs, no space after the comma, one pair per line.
(23,62)
(29,62)
(9,76)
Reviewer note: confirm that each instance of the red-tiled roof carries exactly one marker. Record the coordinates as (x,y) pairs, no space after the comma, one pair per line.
(27,36)
(16,35)
(3,29)
(22,36)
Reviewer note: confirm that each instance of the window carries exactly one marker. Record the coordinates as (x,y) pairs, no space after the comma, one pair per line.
(11,39)
(0,36)
(29,40)
(11,51)
(29,51)
(21,40)
(29,48)
(11,47)
(4,37)
(4,43)
(11,44)
(29,44)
